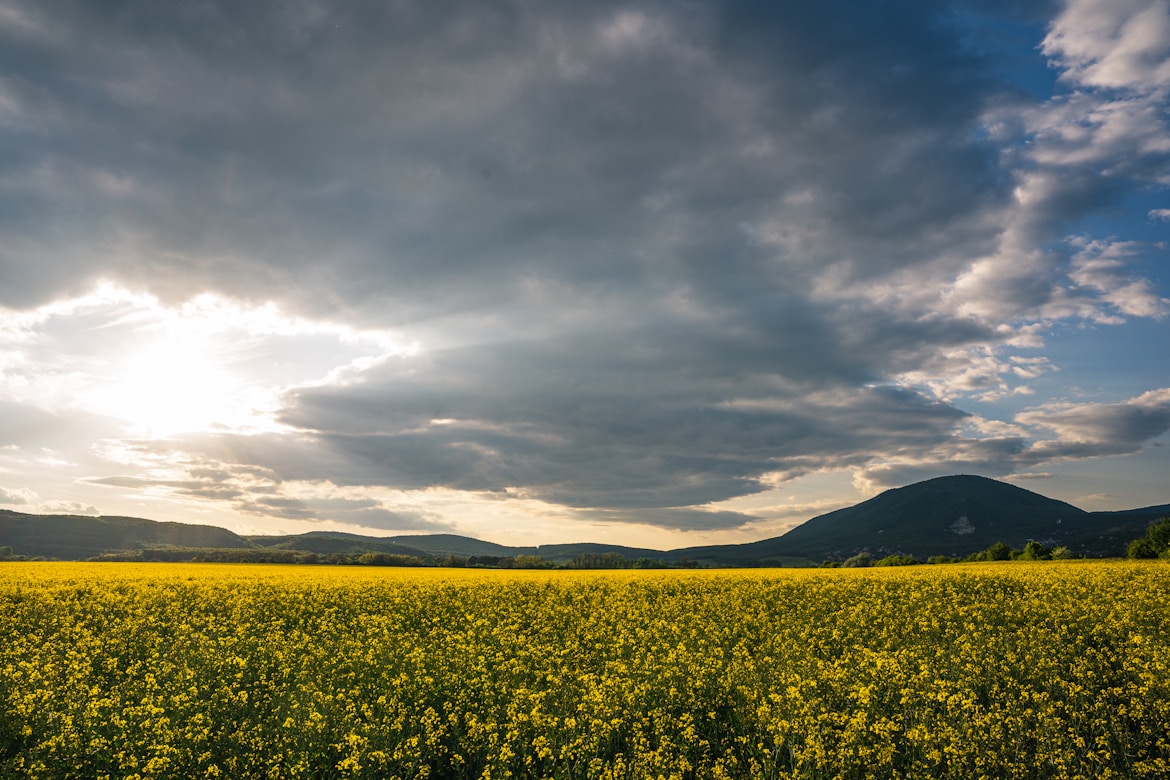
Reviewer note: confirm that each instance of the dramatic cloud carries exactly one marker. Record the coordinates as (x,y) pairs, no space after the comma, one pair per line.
(1046,435)
(1087,430)
(610,264)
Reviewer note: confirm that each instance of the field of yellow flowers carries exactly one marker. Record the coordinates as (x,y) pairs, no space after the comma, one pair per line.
(1045,670)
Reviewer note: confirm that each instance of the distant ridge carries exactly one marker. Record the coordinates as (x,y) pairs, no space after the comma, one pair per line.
(324,542)
(75,537)
(948,515)
(955,516)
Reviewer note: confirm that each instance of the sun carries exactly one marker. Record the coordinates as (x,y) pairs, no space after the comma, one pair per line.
(208,364)
(177,385)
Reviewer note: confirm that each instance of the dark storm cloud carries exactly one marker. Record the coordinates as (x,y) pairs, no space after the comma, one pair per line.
(436,156)
(616,432)
(652,252)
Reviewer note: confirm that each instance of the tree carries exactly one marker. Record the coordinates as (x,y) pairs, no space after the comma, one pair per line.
(898,560)
(593,560)
(860,560)
(1155,544)
(999,552)
(1034,551)
(1141,549)
(388,559)
(1159,536)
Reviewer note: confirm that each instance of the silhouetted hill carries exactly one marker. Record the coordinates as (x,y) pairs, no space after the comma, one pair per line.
(464,546)
(438,545)
(564,552)
(953,516)
(326,542)
(73,537)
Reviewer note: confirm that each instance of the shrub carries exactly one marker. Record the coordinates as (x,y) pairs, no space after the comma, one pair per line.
(1034,551)
(1155,544)
(898,560)
(1141,549)
(996,552)
(860,560)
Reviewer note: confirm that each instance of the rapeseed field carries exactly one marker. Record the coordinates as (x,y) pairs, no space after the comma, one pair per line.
(1045,670)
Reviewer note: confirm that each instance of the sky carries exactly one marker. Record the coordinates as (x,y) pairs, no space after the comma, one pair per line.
(649,273)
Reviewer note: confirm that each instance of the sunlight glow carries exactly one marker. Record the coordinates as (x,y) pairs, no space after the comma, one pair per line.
(170,387)
(159,370)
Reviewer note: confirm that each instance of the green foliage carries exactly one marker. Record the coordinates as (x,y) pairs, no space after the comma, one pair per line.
(898,560)
(996,552)
(605,560)
(1034,551)
(858,561)
(1062,553)
(941,559)
(530,562)
(5,552)
(389,559)
(1155,544)
(1141,549)
(999,552)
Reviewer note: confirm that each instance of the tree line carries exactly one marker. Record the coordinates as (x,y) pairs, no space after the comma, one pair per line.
(1000,551)
(585,560)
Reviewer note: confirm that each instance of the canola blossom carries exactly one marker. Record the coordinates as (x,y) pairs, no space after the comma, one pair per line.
(1045,670)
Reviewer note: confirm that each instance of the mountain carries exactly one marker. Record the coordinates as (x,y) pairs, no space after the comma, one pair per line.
(438,545)
(327,542)
(953,516)
(73,537)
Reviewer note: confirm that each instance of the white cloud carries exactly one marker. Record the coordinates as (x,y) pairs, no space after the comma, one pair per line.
(1101,265)
(1046,435)
(1085,430)
(1113,43)
(17,496)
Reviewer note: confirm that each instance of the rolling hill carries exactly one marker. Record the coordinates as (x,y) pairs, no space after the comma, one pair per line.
(73,537)
(954,516)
